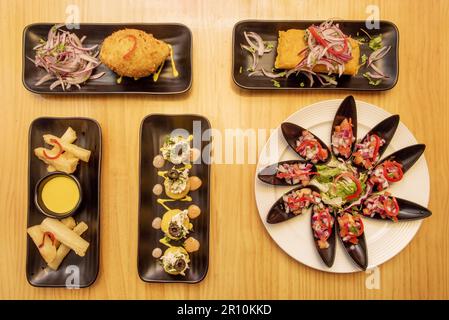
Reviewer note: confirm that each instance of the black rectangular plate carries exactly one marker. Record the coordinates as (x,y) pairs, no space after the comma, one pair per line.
(178,35)
(268,30)
(154,129)
(89,137)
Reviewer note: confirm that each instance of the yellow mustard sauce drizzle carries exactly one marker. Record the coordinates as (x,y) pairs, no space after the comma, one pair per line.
(186,199)
(156,75)
(186,166)
(163,201)
(165,242)
(173,65)
(162,174)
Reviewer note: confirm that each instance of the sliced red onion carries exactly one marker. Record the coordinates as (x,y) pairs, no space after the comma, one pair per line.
(97,76)
(253,54)
(273,75)
(378,54)
(260,47)
(255,73)
(378,71)
(45,78)
(374,76)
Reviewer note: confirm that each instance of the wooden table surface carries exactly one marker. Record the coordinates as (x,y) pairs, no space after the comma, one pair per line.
(244,262)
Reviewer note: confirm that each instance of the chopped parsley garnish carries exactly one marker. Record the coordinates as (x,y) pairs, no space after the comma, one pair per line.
(269,45)
(376,43)
(364,59)
(276,83)
(373,82)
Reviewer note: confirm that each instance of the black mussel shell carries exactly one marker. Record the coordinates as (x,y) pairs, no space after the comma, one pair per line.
(277,213)
(292,132)
(407,156)
(357,252)
(411,211)
(268,174)
(347,110)
(408,211)
(385,130)
(328,254)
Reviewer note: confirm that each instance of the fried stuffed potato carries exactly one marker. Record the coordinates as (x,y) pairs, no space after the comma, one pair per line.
(133,53)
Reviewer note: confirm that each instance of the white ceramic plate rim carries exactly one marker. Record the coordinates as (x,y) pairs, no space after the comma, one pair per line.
(384,239)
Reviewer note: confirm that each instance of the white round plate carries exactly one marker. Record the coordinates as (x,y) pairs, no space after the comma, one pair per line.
(384,239)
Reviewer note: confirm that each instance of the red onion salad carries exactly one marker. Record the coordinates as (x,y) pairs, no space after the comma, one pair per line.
(65,59)
(327,46)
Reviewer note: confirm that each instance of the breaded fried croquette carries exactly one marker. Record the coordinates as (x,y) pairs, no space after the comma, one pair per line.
(133,53)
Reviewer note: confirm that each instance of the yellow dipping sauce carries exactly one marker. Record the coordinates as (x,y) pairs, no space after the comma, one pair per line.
(60,194)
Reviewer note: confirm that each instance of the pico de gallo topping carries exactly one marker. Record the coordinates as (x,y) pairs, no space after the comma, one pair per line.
(300,201)
(310,148)
(351,227)
(322,224)
(295,173)
(342,138)
(367,151)
(385,173)
(384,205)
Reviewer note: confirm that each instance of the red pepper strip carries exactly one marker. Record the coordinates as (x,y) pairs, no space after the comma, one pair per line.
(397,171)
(51,236)
(357,193)
(362,227)
(59,152)
(325,44)
(376,147)
(133,48)
(391,207)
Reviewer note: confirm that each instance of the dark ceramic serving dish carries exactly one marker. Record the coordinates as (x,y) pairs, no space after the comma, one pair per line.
(154,129)
(178,35)
(88,174)
(268,30)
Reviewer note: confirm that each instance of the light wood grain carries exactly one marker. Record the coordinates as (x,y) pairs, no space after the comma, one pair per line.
(244,262)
